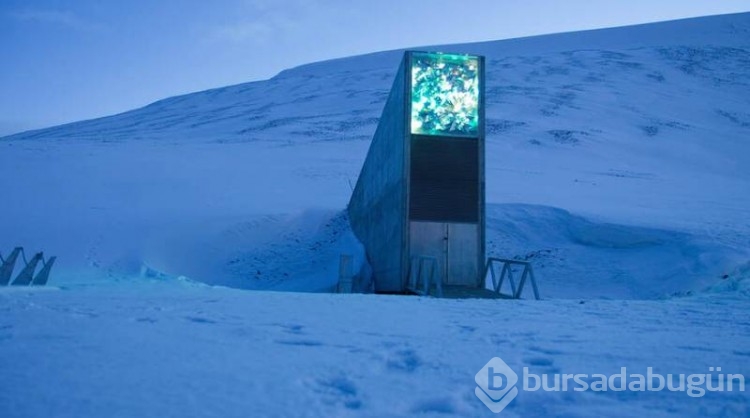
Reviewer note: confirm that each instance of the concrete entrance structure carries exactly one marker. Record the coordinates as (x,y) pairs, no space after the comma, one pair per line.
(421,189)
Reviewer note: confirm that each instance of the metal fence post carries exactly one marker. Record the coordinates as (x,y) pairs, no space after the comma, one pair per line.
(8,264)
(345,274)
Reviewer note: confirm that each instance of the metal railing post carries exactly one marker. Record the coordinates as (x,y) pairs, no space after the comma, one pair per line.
(6,271)
(26,275)
(533,283)
(420,278)
(528,274)
(43,275)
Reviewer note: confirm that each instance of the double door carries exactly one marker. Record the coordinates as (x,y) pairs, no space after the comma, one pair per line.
(454,245)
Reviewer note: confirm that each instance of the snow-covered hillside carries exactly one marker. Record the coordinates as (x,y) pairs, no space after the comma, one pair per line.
(618,162)
(639,133)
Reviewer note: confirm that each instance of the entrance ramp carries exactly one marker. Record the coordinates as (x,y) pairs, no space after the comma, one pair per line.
(425,279)
(466,292)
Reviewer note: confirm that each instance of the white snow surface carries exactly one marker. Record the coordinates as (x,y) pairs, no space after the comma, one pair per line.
(177,349)
(618,162)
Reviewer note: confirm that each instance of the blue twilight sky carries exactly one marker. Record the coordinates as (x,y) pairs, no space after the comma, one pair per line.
(69,60)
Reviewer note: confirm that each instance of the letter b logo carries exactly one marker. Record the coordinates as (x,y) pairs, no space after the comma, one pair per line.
(495,380)
(496,385)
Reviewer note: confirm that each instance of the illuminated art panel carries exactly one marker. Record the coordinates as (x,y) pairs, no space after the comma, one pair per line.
(444,94)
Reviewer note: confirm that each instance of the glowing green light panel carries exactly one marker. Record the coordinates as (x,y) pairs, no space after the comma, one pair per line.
(444,94)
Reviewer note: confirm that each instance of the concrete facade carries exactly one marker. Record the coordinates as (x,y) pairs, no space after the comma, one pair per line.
(422,194)
(378,205)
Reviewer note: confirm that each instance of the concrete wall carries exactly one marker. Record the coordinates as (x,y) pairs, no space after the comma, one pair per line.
(377,209)
(482,257)
(461,257)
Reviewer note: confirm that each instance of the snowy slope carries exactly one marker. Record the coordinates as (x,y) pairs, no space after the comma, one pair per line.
(617,162)
(641,130)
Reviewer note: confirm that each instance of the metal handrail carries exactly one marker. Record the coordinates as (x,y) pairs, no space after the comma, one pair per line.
(346,278)
(26,276)
(528,274)
(414,279)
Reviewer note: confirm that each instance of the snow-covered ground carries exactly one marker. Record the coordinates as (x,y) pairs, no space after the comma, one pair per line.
(618,162)
(179,349)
